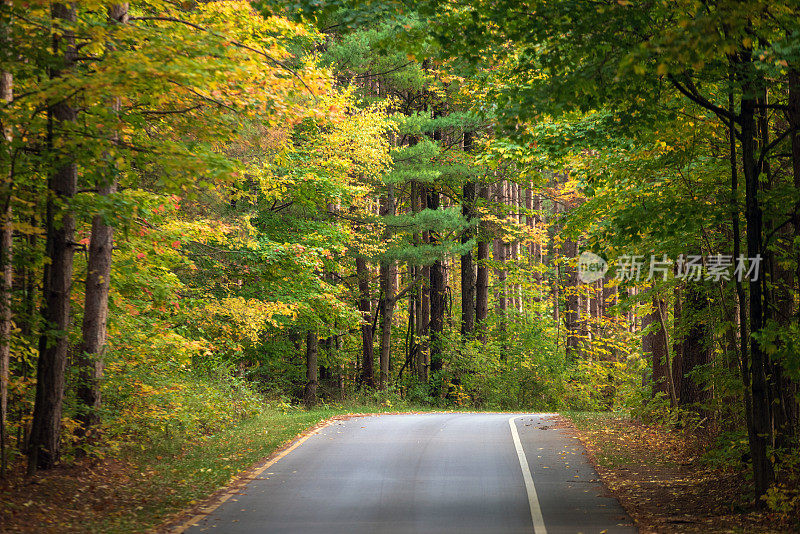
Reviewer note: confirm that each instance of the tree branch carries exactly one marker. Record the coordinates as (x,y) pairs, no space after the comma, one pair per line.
(233,42)
(690,92)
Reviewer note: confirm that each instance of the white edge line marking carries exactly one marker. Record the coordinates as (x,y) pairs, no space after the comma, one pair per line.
(533,499)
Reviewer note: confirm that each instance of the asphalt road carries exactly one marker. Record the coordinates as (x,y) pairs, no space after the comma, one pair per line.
(429,473)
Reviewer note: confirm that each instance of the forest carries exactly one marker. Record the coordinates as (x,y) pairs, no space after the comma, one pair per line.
(212,209)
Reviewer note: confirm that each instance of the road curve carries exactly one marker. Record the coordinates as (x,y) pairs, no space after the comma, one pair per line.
(458,473)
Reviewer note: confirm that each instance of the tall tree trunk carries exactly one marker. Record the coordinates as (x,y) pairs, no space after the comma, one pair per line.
(513,246)
(482,275)
(98,283)
(6,246)
(794,125)
(790,390)
(520,207)
(437,282)
(312,381)
(424,323)
(437,297)
(420,302)
(501,275)
(467,266)
(533,204)
(388,280)
(500,256)
(696,352)
(411,350)
(772,276)
(654,346)
(571,313)
(29,316)
(744,346)
(554,253)
(761,437)
(44,443)
(677,345)
(368,354)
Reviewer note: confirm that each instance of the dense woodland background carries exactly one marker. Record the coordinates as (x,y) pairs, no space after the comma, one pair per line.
(210,206)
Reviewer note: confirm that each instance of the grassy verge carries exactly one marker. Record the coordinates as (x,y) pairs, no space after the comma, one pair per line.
(660,478)
(143,488)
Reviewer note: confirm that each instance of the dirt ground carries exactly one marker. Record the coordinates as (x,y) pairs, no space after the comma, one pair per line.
(659,479)
(61,499)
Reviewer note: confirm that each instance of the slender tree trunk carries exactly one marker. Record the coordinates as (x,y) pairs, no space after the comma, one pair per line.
(44,444)
(468,310)
(654,346)
(554,253)
(6,246)
(437,298)
(312,381)
(761,437)
(420,303)
(424,324)
(482,275)
(572,313)
(337,348)
(696,352)
(772,286)
(437,281)
(501,274)
(388,280)
(794,125)
(513,247)
(520,207)
(98,283)
(533,205)
(500,256)
(368,358)
(744,346)
(677,345)
(411,352)
(29,316)
(467,266)
(790,390)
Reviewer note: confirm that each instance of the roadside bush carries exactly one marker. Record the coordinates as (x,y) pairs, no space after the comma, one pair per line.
(147,404)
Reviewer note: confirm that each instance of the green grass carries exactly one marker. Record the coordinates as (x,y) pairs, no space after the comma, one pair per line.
(168,478)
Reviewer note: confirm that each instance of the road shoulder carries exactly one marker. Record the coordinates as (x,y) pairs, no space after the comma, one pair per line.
(659,478)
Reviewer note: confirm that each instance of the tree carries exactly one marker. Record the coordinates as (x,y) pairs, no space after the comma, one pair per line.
(368,358)
(654,346)
(468,309)
(388,275)
(312,381)
(44,445)
(590,70)
(98,282)
(6,247)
